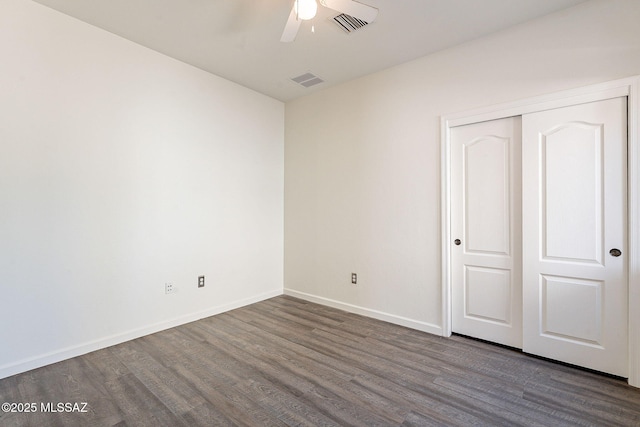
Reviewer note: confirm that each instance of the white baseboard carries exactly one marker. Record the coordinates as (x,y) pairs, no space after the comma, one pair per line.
(98,344)
(380,315)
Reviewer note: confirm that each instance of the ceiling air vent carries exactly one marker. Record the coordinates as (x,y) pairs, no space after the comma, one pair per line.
(307,79)
(348,23)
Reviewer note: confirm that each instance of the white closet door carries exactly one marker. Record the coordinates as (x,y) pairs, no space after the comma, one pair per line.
(575,235)
(486,216)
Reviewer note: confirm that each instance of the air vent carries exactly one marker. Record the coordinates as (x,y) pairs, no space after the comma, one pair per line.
(307,79)
(348,23)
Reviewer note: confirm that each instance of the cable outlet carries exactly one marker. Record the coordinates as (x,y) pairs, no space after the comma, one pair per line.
(354,278)
(169,288)
(201,281)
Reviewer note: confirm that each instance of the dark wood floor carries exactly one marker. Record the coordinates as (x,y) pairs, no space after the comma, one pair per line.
(289,362)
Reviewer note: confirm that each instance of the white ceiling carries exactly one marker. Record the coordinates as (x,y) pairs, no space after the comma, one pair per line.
(240,39)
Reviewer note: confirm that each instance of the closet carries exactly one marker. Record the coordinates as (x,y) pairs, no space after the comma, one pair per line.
(538,228)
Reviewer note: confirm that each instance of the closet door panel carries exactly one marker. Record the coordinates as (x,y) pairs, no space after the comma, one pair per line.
(486,272)
(574,213)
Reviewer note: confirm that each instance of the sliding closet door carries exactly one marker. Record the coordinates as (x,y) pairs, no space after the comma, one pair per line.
(485,226)
(575,235)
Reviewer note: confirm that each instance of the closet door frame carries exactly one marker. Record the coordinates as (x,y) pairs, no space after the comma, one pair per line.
(629,87)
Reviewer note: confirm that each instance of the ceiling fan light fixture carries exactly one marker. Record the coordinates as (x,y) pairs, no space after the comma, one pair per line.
(306,9)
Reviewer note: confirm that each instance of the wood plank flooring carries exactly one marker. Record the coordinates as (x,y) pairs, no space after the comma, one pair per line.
(285,361)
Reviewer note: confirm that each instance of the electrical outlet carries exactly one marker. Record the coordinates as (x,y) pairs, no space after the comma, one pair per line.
(201,281)
(354,278)
(169,288)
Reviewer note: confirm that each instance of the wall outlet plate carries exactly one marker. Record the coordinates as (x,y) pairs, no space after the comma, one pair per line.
(169,288)
(201,281)
(354,278)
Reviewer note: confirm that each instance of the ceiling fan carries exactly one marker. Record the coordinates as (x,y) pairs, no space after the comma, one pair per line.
(303,10)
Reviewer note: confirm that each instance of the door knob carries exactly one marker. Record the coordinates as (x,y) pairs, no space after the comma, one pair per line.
(615,252)
(457,242)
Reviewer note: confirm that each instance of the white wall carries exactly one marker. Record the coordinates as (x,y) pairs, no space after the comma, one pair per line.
(362,160)
(122,169)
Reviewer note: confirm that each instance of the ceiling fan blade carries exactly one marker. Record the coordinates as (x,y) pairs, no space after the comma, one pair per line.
(357,10)
(291,28)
